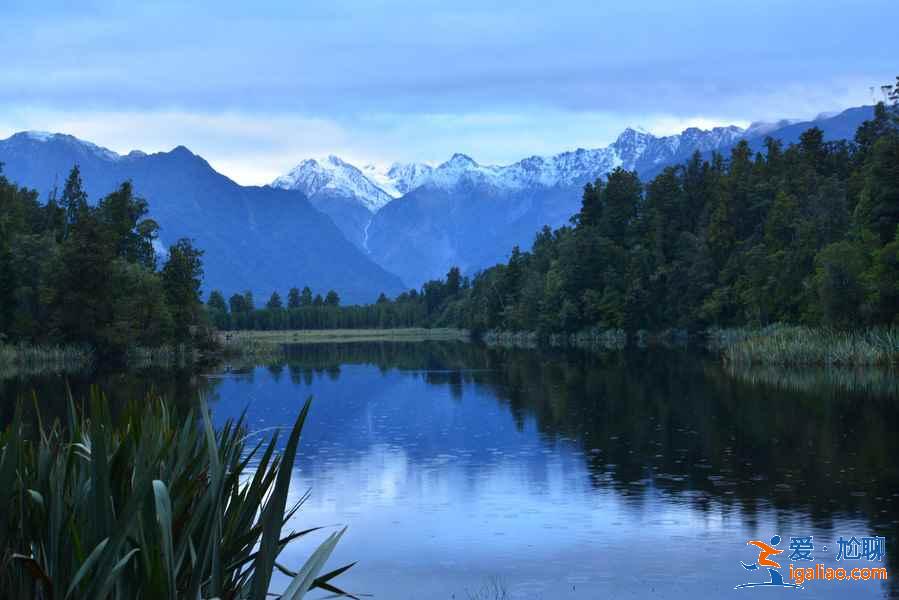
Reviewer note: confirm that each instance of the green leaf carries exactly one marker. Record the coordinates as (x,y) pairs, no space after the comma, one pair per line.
(164,518)
(309,572)
(86,566)
(273,512)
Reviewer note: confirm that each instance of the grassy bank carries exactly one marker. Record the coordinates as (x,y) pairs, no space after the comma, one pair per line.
(798,345)
(147,505)
(311,336)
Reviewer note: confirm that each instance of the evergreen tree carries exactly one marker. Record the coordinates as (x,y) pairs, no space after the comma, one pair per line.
(293,298)
(74,198)
(181,279)
(274,302)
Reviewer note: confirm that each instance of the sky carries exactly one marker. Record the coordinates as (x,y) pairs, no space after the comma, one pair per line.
(256,87)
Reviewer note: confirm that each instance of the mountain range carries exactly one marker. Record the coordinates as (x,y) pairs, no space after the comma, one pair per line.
(362,230)
(417,220)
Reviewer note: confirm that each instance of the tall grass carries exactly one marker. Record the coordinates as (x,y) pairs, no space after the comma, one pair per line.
(142,357)
(601,339)
(147,505)
(29,359)
(259,349)
(797,345)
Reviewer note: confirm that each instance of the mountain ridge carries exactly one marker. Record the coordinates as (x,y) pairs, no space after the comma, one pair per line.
(255,238)
(633,149)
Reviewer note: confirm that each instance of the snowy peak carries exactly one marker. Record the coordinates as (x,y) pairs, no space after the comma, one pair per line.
(333,174)
(632,143)
(408,176)
(43,137)
(375,186)
(459,161)
(634,149)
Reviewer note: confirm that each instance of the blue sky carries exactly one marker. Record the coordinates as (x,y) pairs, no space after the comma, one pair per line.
(255,87)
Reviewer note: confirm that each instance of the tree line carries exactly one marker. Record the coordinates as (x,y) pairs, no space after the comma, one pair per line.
(72,273)
(803,234)
(305,311)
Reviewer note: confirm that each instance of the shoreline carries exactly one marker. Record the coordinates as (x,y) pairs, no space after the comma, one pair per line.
(324,336)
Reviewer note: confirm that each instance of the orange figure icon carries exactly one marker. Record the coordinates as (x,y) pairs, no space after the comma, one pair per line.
(764,552)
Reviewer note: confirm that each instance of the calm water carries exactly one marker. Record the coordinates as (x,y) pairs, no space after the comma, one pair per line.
(576,475)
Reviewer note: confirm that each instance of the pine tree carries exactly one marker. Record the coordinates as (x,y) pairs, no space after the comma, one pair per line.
(74,198)
(274,302)
(293,298)
(306,297)
(181,278)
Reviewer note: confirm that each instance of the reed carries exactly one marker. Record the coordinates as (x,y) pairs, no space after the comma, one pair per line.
(260,349)
(798,345)
(592,339)
(148,505)
(31,359)
(142,357)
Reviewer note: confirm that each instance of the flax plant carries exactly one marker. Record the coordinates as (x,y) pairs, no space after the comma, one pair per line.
(148,504)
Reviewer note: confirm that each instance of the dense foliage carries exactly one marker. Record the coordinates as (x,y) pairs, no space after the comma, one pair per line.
(805,234)
(79,274)
(147,505)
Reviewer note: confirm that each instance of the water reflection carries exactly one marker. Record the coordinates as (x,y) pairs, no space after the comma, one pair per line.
(568,475)
(571,475)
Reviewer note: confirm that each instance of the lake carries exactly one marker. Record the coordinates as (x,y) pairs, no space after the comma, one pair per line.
(468,472)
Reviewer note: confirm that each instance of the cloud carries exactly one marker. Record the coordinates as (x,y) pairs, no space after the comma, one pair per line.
(403,80)
(251,149)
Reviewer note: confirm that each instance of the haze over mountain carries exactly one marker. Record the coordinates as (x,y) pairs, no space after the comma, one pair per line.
(254,238)
(417,220)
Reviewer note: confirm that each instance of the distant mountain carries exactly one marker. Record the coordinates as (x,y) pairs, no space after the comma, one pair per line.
(256,238)
(339,190)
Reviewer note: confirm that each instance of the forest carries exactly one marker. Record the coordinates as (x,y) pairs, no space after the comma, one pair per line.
(76,274)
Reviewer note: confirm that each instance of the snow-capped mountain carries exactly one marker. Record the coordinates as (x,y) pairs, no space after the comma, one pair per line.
(470,215)
(374,186)
(417,219)
(332,174)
